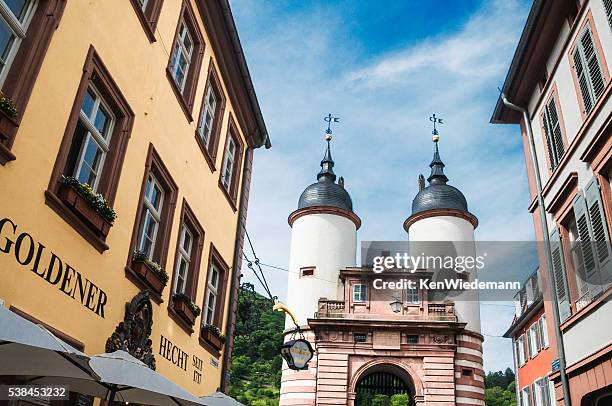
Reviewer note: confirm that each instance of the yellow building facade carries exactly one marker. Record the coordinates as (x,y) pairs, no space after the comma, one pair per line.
(149,105)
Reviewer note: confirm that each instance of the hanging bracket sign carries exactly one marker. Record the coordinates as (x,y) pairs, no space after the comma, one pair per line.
(297,353)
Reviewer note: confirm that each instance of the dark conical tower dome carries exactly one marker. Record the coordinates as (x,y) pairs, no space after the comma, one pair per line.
(326,192)
(438,195)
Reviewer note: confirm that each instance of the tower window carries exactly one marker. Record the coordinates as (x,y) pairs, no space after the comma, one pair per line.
(359,292)
(307,271)
(466,372)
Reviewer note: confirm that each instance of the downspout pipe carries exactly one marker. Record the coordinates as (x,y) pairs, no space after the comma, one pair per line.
(547,248)
(235,279)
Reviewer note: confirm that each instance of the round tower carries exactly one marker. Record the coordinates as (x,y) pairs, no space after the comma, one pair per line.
(441,225)
(323,241)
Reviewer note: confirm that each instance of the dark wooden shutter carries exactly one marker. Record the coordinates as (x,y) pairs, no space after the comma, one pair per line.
(599,227)
(582,80)
(559,275)
(608,7)
(592,60)
(552,130)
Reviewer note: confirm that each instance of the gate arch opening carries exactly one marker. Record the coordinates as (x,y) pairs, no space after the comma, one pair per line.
(383,379)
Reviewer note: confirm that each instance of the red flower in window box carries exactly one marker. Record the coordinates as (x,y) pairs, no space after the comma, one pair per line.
(83,207)
(184,307)
(149,272)
(212,335)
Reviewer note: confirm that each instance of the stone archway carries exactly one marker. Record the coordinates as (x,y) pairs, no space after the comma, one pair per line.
(384,377)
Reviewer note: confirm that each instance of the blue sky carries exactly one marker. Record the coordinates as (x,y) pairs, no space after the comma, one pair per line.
(384,71)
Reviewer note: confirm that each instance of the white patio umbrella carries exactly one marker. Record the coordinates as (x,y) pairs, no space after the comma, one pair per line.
(220,399)
(30,350)
(130,380)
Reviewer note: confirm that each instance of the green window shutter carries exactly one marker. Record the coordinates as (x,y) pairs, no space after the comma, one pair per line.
(590,273)
(559,275)
(599,226)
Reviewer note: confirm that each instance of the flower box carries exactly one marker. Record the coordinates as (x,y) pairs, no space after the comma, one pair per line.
(150,277)
(84,209)
(212,339)
(7,126)
(184,309)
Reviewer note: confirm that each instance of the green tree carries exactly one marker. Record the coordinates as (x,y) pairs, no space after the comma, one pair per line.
(256,361)
(399,400)
(381,400)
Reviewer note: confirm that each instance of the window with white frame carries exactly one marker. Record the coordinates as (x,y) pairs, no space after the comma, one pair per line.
(413,295)
(208,115)
(183,260)
(227,172)
(91,141)
(181,56)
(587,67)
(543,396)
(143,4)
(543,331)
(359,292)
(212,294)
(520,350)
(526,397)
(153,203)
(534,340)
(15,16)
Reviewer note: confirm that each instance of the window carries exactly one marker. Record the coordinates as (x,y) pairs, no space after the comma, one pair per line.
(578,263)
(151,233)
(183,260)
(211,116)
(359,338)
(228,164)
(188,254)
(148,14)
(526,397)
(359,292)
(543,331)
(552,131)
(520,350)
(214,296)
(232,159)
(91,140)
(588,70)
(412,339)
(307,271)
(26,28)
(92,148)
(534,340)
(413,295)
(542,392)
(186,59)
(15,16)
(181,56)
(467,372)
(153,204)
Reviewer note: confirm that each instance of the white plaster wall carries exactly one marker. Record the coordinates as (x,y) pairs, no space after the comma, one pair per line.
(568,98)
(327,242)
(591,334)
(450,229)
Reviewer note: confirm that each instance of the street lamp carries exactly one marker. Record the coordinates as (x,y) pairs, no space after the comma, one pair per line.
(396,305)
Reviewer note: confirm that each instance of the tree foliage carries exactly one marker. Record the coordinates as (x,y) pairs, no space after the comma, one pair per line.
(500,388)
(256,361)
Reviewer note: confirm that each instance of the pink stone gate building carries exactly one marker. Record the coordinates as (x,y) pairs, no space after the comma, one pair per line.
(370,341)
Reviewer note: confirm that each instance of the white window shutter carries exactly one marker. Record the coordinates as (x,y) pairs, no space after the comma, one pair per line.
(560,275)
